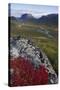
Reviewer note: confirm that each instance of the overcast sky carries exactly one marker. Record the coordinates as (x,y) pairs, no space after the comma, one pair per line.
(36,10)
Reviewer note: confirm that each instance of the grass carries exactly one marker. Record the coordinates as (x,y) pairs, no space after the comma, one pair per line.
(48,44)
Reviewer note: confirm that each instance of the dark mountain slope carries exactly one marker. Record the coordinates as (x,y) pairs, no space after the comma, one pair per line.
(51,19)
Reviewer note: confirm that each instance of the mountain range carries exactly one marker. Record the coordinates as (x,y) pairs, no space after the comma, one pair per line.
(50,19)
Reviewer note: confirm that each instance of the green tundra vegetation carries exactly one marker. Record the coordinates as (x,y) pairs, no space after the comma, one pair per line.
(44,36)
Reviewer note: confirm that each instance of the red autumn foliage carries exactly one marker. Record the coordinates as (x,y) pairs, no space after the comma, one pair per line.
(25,74)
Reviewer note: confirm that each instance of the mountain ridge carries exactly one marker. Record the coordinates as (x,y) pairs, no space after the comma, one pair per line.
(50,19)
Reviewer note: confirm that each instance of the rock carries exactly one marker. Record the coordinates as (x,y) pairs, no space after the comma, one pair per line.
(11,71)
(14,52)
(25,48)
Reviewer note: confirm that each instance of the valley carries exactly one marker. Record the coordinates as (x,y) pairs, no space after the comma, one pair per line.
(43,36)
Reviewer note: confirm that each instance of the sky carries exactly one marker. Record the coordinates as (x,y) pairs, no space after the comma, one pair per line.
(36,10)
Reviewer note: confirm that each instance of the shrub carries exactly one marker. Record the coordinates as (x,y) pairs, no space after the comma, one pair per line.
(25,74)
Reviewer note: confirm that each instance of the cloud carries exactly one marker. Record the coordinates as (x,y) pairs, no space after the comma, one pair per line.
(36,14)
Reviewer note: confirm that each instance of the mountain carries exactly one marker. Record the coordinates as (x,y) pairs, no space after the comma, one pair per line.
(51,19)
(12,18)
(27,18)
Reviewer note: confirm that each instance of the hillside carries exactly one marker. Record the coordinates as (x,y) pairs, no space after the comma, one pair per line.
(43,35)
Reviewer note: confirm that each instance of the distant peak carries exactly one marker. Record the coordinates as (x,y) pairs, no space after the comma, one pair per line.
(27,15)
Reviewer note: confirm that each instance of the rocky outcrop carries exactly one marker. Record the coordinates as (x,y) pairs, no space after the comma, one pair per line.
(20,47)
